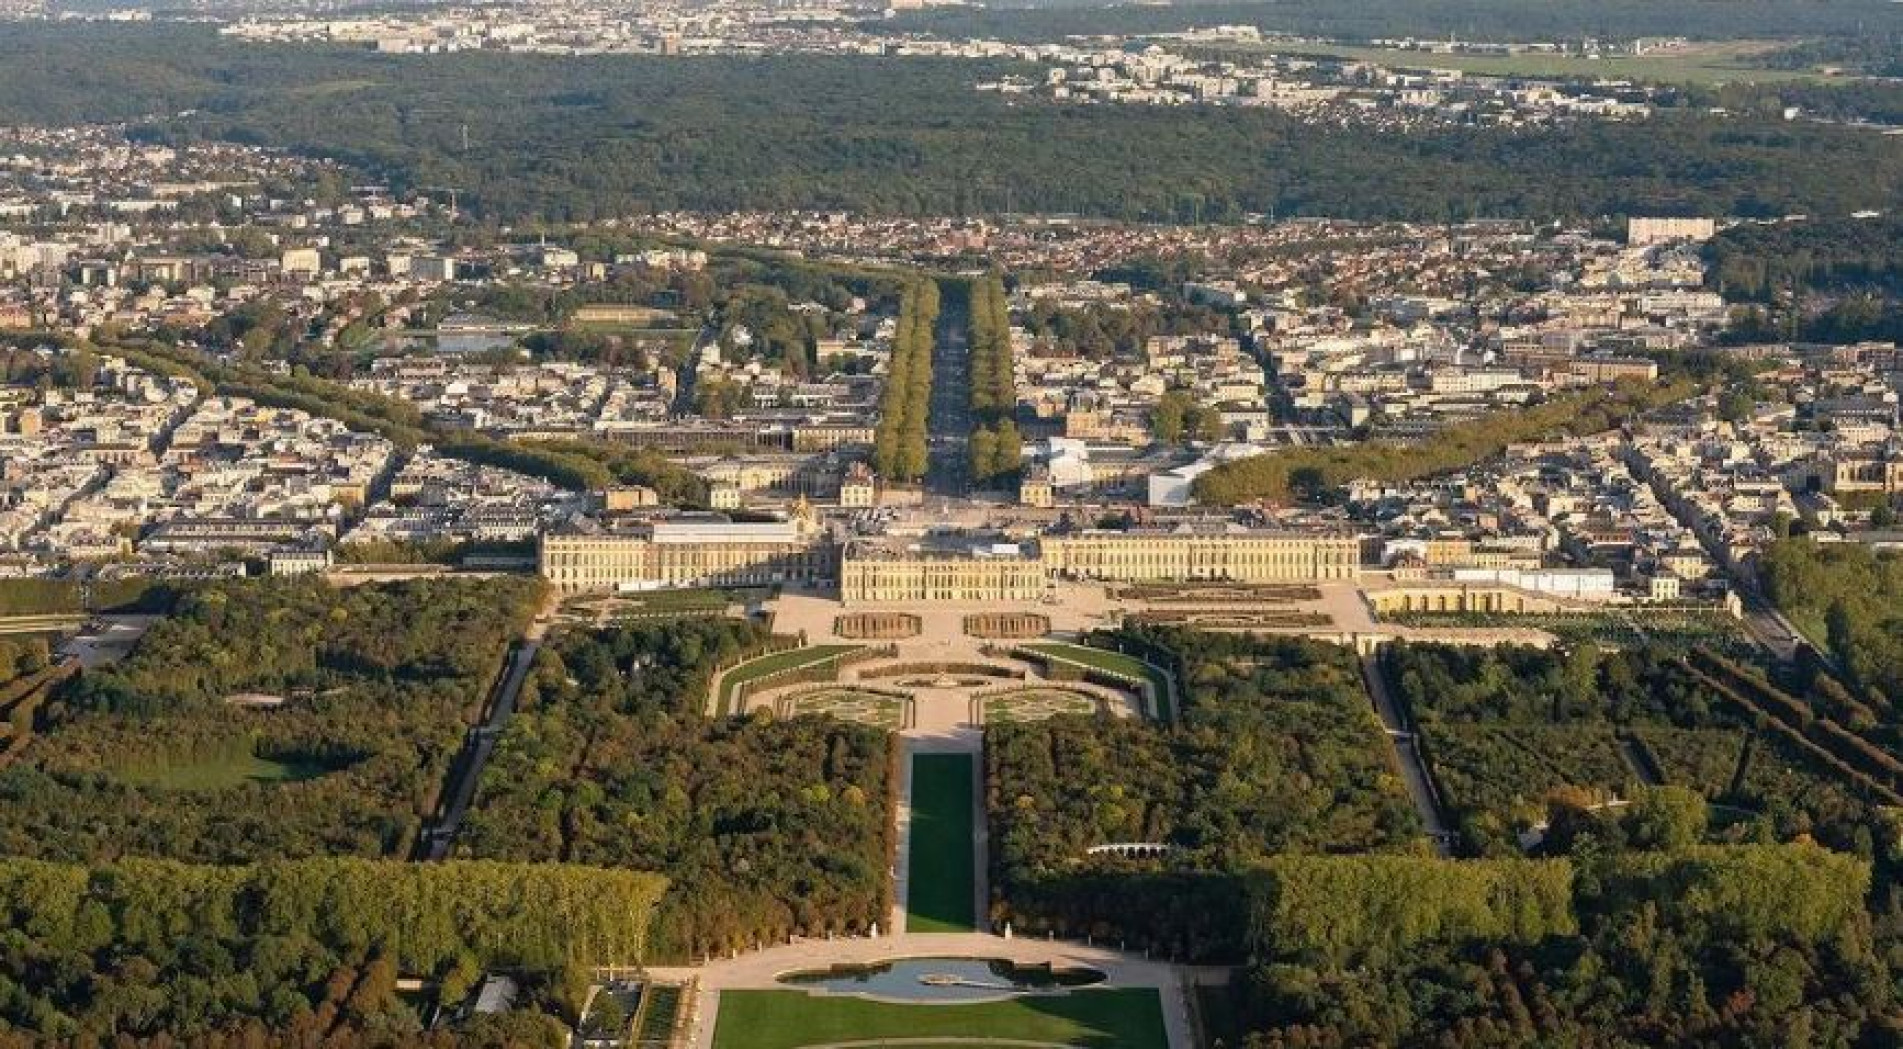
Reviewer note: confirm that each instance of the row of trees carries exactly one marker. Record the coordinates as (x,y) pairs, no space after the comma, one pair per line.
(1311,473)
(899,445)
(149,758)
(996,447)
(572,464)
(765,828)
(34,597)
(150,948)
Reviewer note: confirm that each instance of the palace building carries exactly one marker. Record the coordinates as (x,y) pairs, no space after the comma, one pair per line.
(690,550)
(1226,552)
(713,550)
(874,571)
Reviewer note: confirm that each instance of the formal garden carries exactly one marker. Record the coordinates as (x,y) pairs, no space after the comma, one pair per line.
(1035,704)
(885,709)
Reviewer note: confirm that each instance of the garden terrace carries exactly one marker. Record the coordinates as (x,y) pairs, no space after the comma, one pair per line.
(1063,661)
(791,665)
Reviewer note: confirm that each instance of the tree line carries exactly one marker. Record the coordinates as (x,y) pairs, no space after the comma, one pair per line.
(996,447)
(899,443)
(1754,262)
(566,138)
(1314,473)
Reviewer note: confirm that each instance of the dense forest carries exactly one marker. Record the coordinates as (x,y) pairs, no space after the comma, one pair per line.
(1277,752)
(1754,262)
(176,753)
(1513,735)
(1316,473)
(764,828)
(1756,945)
(1679,917)
(301,953)
(582,138)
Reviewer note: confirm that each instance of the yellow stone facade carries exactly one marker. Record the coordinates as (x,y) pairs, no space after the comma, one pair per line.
(795,553)
(1241,557)
(920,577)
(662,556)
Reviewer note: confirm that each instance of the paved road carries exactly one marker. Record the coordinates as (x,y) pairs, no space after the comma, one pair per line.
(1767,625)
(476,752)
(948,419)
(1413,770)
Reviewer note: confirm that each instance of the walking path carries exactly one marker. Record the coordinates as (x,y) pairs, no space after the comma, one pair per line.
(481,742)
(1407,753)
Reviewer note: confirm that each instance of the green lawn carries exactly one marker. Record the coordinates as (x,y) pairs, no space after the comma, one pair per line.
(220,771)
(1109,1019)
(1729,62)
(939,897)
(1115,663)
(790,659)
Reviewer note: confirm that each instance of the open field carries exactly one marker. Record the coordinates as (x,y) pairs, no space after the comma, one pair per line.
(1093,1019)
(1710,63)
(221,771)
(940,896)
